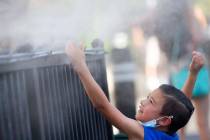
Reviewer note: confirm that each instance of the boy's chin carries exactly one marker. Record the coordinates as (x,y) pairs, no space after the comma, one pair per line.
(140,118)
(137,117)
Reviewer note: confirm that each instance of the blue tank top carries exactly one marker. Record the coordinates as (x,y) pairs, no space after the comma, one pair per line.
(153,134)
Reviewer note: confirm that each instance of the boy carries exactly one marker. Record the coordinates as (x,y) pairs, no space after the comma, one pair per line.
(165,110)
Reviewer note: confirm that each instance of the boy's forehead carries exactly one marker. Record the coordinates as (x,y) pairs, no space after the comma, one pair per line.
(157,95)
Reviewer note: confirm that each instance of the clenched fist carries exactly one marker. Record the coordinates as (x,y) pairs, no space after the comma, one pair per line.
(197,62)
(76,55)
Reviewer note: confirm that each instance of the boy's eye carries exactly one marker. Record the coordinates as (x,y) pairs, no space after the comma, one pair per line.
(150,100)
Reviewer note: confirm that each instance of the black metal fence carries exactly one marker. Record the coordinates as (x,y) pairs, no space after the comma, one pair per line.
(41,98)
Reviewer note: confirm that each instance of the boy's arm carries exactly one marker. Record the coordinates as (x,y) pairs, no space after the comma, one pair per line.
(98,98)
(195,66)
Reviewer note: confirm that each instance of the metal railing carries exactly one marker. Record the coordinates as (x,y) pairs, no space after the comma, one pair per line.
(42,98)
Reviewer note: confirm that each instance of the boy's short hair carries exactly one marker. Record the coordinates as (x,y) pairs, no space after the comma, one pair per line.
(178,105)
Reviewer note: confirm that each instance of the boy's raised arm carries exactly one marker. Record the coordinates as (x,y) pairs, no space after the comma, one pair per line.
(97,96)
(194,68)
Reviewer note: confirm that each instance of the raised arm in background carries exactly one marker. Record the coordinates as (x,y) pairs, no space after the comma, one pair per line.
(194,68)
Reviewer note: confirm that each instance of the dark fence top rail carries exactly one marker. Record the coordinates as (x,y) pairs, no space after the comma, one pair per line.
(42,59)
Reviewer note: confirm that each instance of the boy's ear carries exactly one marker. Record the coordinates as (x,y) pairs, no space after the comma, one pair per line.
(166,121)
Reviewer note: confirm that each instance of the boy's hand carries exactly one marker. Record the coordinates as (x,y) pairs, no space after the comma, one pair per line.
(197,62)
(76,55)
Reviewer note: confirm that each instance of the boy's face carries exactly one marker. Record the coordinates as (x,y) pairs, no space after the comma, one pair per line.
(151,107)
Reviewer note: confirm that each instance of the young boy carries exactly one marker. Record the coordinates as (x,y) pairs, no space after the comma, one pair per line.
(165,110)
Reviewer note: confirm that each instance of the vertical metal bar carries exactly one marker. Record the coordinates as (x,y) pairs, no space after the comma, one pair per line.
(59,94)
(36,110)
(101,72)
(69,114)
(104,132)
(94,65)
(86,114)
(91,113)
(3,128)
(103,126)
(46,117)
(7,110)
(72,99)
(93,110)
(102,119)
(50,105)
(91,124)
(97,75)
(78,104)
(79,91)
(26,108)
(14,103)
(19,97)
(55,103)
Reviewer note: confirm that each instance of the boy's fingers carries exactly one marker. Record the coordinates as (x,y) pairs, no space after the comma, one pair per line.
(197,59)
(197,55)
(69,48)
(193,60)
(71,45)
(82,46)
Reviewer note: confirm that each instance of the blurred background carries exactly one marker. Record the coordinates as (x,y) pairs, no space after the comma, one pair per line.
(146,41)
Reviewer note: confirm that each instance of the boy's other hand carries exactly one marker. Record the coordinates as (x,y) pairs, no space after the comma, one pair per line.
(76,55)
(197,62)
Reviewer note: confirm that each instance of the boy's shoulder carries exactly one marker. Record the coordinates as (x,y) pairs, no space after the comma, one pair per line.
(153,134)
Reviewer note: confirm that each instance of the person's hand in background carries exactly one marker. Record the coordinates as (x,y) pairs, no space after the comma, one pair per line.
(196,63)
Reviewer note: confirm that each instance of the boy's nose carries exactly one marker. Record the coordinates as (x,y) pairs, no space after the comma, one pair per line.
(143,102)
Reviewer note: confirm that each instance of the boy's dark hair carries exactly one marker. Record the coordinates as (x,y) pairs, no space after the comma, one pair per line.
(177,105)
